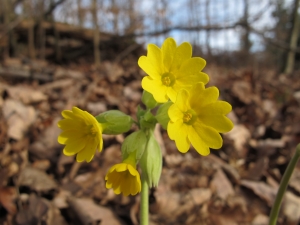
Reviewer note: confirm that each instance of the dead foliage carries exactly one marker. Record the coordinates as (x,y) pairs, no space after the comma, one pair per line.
(235,185)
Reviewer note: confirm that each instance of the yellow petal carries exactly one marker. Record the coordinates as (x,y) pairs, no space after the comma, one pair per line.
(87,153)
(155,58)
(65,136)
(172,94)
(216,108)
(70,124)
(132,170)
(197,142)
(182,100)
(175,113)
(168,50)
(178,132)
(156,88)
(209,135)
(149,69)
(193,65)
(219,122)
(100,146)
(74,147)
(122,167)
(68,114)
(182,53)
(200,97)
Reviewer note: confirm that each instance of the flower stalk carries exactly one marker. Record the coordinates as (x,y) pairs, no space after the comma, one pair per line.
(144,205)
(283,185)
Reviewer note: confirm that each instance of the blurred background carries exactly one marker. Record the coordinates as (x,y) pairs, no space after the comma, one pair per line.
(239,32)
(57,54)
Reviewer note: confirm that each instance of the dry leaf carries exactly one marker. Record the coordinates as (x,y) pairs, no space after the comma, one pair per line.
(36,180)
(261,189)
(222,185)
(90,213)
(7,197)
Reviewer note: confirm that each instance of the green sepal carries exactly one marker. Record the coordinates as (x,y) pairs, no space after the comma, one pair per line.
(135,142)
(147,121)
(162,114)
(148,100)
(114,122)
(151,161)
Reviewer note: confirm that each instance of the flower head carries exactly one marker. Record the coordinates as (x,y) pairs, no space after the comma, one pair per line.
(170,69)
(81,133)
(123,178)
(197,118)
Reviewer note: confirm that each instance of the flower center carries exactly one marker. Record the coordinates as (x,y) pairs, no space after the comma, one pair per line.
(168,79)
(189,117)
(91,130)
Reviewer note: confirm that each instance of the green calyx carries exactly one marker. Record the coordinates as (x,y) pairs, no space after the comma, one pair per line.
(151,161)
(146,119)
(114,122)
(162,114)
(134,143)
(148,100)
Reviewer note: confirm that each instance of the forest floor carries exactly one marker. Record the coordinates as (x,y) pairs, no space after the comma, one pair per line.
(235,185)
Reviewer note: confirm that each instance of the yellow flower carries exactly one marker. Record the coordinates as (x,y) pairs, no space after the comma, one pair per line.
(197,118)
(81,133)
(170,69)
(123,178)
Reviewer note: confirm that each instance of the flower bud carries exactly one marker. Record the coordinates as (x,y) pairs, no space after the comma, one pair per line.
(148,100)
(135,142)
(114,122)
(162,114)
(151,161)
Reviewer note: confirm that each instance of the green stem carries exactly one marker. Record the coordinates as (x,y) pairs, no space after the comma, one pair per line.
(144,210)
(283,185)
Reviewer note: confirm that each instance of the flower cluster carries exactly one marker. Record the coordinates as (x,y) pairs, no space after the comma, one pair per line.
(196,116)
(191,113)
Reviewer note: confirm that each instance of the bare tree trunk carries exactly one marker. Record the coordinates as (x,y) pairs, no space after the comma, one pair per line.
(41,32)
(28,6)
(289,66)
(58,54)
(6,15)
(130,28)
(115,10)
(96,34)
(80,13)
(165,18)
(246,44)
(207,16)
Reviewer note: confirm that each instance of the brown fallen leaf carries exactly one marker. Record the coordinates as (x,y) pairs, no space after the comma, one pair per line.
(240,135)
(34,212)
(261,189)
(36,180)
(222,185)
(26,95)
(88,212)
(19,117)
(7,197)
(291,208)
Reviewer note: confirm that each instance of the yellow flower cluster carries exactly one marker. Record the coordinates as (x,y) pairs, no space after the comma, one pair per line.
(196,115)
(193,115)
(82,136)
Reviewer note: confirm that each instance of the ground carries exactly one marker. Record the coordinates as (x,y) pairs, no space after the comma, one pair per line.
(234,185)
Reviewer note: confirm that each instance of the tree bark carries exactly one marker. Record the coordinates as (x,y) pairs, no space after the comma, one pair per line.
(80,13)
(41,31)
(96,34)
(246,44)
(30,33)
(290,62)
